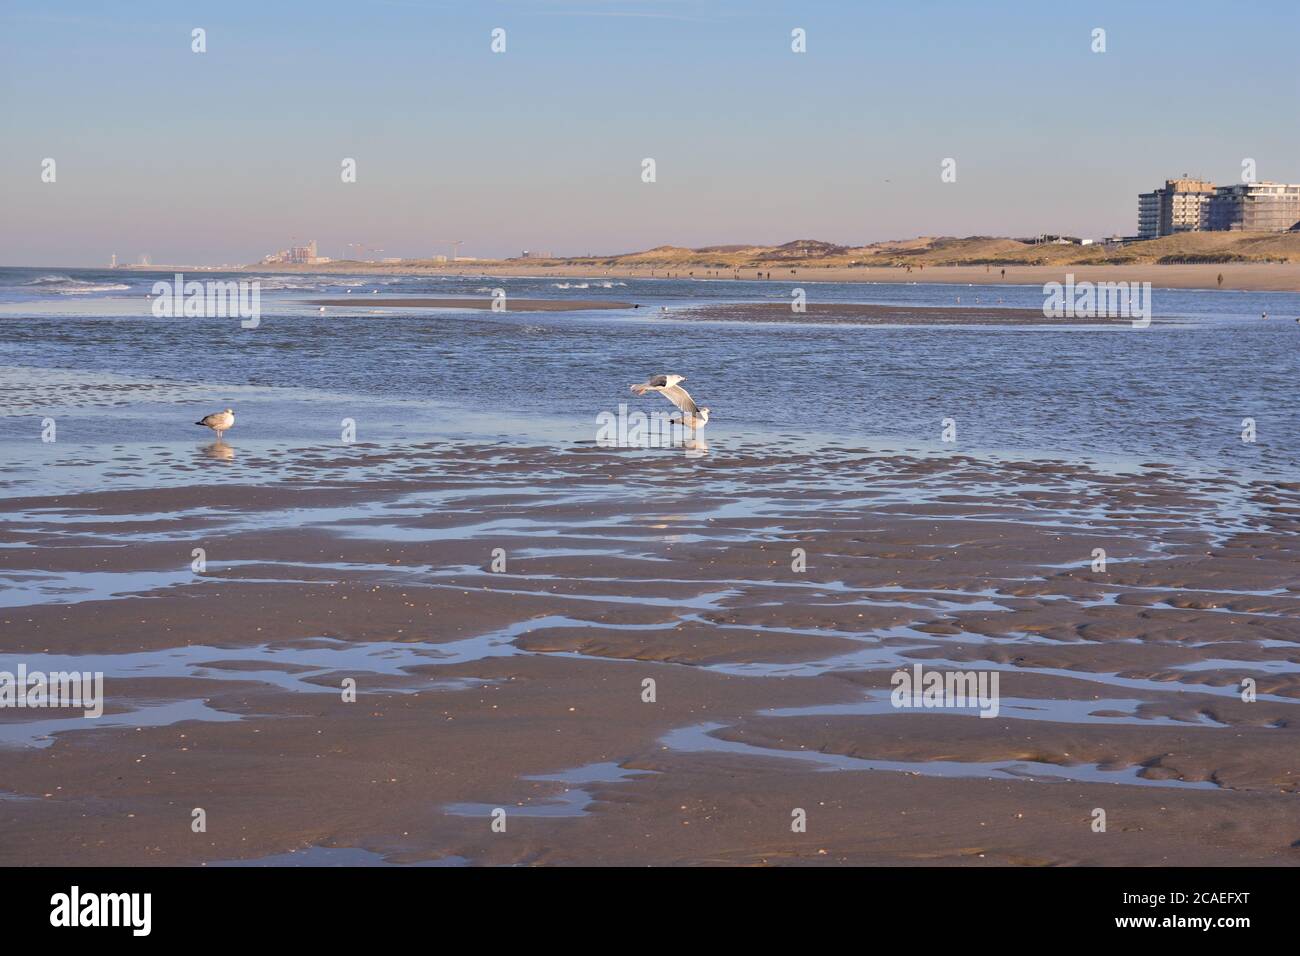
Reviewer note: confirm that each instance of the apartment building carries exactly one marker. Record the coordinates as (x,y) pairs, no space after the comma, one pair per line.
(1255,207)
(1181,206)
(1195,205)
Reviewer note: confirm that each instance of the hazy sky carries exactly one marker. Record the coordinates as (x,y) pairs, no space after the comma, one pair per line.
(226,155)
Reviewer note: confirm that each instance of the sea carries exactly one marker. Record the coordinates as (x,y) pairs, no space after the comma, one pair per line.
(1211,386)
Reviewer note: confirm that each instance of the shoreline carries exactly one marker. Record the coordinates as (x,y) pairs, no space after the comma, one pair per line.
(1237,277)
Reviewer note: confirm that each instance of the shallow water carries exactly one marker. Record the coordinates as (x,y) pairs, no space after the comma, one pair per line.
(108,371)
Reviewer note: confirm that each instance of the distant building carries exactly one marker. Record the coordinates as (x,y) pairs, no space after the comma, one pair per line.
(297,255)
(1255,207)
(1149,214)
(1181,206)
(1195,205)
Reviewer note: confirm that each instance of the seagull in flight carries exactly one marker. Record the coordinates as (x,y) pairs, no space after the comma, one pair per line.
(218,422)
(669,386)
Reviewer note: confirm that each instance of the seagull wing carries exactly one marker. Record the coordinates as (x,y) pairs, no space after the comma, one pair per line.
(679,397)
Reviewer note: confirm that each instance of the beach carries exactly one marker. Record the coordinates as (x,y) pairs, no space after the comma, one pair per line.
(412,610)
(523,689)
(1240,276)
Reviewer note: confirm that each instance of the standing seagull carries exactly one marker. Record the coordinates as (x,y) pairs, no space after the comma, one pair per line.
(693,417)
(218,422)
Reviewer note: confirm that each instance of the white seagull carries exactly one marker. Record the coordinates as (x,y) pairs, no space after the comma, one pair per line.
(693,416)
(218,422)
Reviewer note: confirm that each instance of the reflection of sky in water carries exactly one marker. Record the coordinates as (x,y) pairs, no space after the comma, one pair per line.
(700,738)
(334,856)
(1171,394)
(125,389)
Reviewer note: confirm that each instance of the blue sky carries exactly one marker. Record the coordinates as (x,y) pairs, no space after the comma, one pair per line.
(226,155)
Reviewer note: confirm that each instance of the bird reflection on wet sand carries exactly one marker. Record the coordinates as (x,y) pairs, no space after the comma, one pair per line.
(218,451)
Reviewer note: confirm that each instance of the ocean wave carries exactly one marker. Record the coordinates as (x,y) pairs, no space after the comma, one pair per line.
(568,285)
(277,283)
(66,285)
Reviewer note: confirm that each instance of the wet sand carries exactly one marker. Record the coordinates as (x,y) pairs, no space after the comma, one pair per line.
(522,687)
(445,302)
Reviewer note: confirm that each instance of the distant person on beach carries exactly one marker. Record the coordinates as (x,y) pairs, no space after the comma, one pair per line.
(1004,273)
(1220,280)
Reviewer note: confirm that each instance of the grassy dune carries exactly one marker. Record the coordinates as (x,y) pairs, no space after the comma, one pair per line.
(1186,249)
(1205,247)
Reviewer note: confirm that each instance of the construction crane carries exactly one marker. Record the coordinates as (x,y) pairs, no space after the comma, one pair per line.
(361,249)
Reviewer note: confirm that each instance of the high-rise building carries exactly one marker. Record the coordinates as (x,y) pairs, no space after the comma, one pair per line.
(1149,214)
(1183,208)
(1255,207)
(1179,207)
(1195,205)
